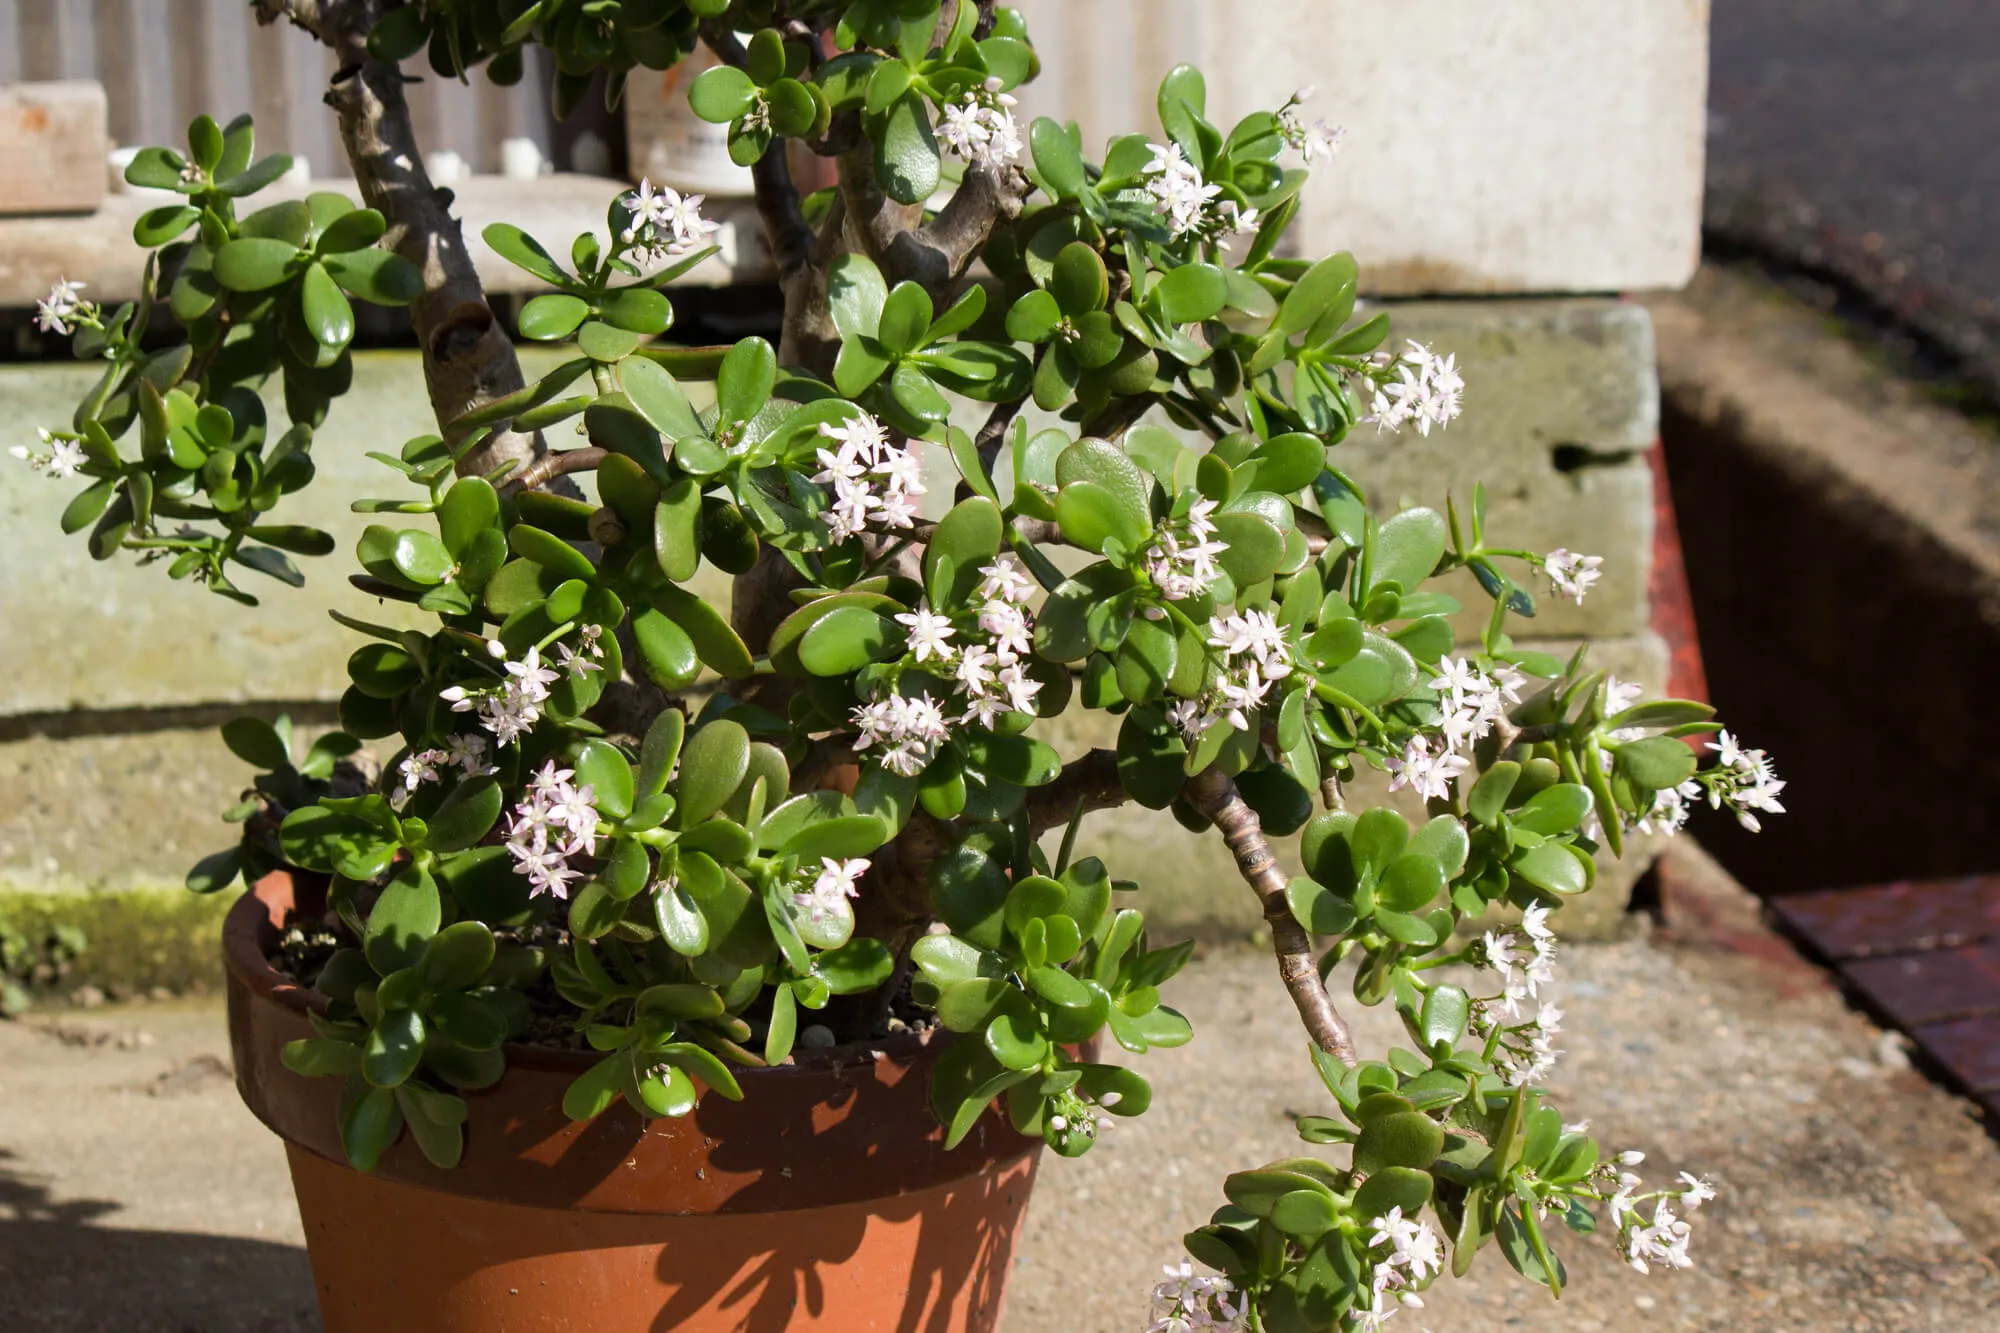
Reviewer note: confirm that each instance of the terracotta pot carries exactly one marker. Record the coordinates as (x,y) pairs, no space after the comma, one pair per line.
(824,1199)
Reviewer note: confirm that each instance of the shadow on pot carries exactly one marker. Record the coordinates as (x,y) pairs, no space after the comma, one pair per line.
(956,1246)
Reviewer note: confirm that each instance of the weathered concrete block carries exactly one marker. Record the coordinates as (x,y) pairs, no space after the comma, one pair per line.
(84,635)
(1561,400)
(114,810)
(1548,147)
(1189,885)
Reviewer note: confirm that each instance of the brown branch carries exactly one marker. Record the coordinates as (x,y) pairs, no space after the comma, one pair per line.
(550,466)
(994,433)
(1091,778)
(468,358)
(987,195)
(1215,795)
(934,254)
(1119,415)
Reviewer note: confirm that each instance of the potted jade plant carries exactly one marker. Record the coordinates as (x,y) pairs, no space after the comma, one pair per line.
(628,961)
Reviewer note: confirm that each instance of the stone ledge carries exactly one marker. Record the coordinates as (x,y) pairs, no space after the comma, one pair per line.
(97,248)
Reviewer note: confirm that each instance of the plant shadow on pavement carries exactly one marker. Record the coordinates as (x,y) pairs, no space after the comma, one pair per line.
(62,1271)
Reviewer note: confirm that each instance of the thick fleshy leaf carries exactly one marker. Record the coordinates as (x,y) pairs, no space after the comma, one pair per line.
(906,318)
(551,316)
(379,277)
(403,921)
(1408,548)
(856,292)
(255,263)
(845,640)
(1056,158)
(743,384)
(721,93)
(1189,294)
(906,153)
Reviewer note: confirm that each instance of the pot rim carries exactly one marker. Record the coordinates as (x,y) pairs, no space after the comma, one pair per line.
(840,1126)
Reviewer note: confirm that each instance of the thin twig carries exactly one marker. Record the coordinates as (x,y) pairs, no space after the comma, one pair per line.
(1090,779)
(550,466)
(1215,795)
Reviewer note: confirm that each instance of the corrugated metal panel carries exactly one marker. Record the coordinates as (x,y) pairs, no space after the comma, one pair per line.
(162,62)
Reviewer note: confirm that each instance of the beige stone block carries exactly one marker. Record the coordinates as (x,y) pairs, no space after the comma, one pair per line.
(1553,146)
(52,146)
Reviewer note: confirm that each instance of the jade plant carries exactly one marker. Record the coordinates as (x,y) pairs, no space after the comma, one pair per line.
(1046,428)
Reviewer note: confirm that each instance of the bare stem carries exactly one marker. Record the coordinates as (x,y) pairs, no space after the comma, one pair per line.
(1215,795)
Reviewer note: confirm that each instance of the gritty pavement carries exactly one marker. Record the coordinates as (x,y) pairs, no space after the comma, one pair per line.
(1855,137)
(137,1195)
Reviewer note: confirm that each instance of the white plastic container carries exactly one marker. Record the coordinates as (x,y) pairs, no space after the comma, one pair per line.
(670,145)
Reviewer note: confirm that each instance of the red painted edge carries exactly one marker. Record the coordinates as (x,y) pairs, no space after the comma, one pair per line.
(1673,606)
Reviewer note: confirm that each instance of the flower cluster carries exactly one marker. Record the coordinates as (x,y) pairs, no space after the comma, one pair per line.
(665,223)
(1070,1114)
(1663,1239)
(1313,141)
(980,128)
(1188,1301)
(874,480)
(62,461)
(1470,703)
(831,887)
(511,710)
(1188,202)
(1418,388)
(465,752)
(558,820)
(987,666)
(1570,575)
(1744,781)
(417,768)
(64,308)
(1181,558)
(1524,1052)
(1255,657)
(1416,1254)
(579,665)
(909,728)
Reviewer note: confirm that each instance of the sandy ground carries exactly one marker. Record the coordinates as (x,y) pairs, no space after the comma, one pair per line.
(137,1194)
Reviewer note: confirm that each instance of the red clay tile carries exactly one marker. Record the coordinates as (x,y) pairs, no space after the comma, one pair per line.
(1905,917)
(1970,1048)
(1931,987)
